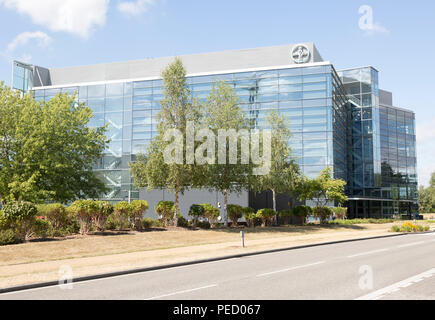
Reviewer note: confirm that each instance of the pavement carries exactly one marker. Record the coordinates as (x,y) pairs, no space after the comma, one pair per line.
(397,268)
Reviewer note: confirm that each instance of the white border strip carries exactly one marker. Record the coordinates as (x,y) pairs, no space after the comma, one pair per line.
(314,64)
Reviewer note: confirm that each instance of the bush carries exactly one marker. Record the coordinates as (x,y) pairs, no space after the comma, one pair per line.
(165,211)
(4,223)
(21,215)
(211,213)
(340,212)
(55,213)
(410,227)
(137,210)
(100,212)
(8,237)
(182,222)
(204,225)
(301,213)
(120,215)
(323,213)
(250,216)
(82,210)
(266,216)
(42,229)
(148,223)
(196,211)
(235,212)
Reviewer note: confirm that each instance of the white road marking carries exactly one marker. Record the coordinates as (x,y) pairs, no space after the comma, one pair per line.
(367,253)
(290,269)
(181,292)
(376,295)
(410,244)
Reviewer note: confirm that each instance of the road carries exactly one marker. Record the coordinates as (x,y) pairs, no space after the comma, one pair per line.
(390,268)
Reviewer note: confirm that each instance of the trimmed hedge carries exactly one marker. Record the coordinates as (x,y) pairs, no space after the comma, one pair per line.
(266,216)
(235,212)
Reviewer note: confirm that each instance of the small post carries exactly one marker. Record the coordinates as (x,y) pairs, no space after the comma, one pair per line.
(242,235)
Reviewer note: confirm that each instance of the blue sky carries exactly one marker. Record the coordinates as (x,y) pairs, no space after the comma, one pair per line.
(399,43)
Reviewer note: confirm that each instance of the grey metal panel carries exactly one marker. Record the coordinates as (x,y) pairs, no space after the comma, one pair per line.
(195,63)
(190,197)
(385,98)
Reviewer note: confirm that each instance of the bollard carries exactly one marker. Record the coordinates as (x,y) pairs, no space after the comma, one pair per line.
(242,235)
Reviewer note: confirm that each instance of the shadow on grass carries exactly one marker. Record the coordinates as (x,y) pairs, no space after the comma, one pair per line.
(288,229)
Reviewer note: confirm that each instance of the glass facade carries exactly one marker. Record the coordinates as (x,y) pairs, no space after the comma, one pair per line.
(311,99)
(373,186)
(335,119)
(22,75)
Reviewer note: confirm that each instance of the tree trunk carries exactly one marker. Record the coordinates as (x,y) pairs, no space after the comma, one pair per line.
(225,208)
(177,210)
(275,219)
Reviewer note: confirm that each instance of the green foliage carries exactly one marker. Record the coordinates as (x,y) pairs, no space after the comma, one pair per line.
(250,216)
(21,215)
(42,229)
(235,212)
(204,225)
(47,150)
(182,222)
(137,210)
(426,197)
(177,109)
(83,211)
(4,223)
(223,112)
(100,212)
(340,212)
(361,221)
(302,211)
(211,213)
(196,211)
(148,223)
(284,172)
(8,237)
(322,189)
(410,227)
(55,213)
(266,216)
(165,211)
(323,213)
(120,215)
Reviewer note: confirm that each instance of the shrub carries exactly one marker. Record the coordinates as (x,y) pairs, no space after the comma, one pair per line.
(165,211)
(204,225)
(301,213)
(42,228)
(148,223)
(211,213)
(182,222)
(340,212)
(100,212)
(21,215)
(395,228)
(119,217)
(4,223)
(196,211)
(55,213)
(137,210)
(8,237)
(250,216)
(266,216)
(410,227)
(82,209)
(235,212)
(323,213)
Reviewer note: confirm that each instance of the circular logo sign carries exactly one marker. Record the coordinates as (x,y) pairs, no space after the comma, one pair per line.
(301,53)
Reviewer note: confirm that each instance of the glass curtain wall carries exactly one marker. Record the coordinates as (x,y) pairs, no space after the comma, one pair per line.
(311,99)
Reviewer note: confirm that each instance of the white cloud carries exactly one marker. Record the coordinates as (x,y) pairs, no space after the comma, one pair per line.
(41,38)
(78,17)
(135,8)
(376,28)
(367,24)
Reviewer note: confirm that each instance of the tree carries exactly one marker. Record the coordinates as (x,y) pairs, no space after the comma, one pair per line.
(224,113)
(46,149)
(137,210)
(283,172)
(426,197)
(177,110)
(322,189)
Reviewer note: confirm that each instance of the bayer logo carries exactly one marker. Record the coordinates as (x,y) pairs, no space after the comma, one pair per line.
(301,53)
